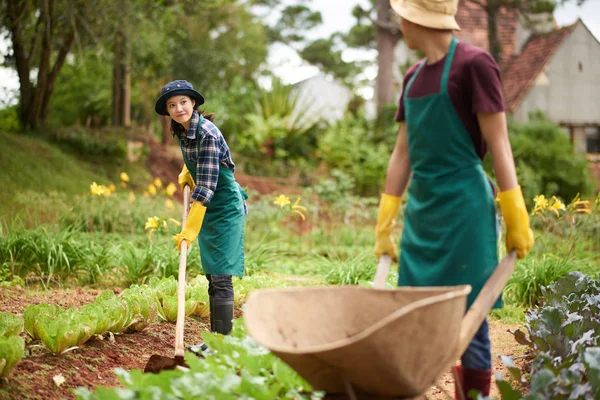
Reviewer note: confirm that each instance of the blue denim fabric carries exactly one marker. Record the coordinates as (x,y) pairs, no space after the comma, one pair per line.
(479,353)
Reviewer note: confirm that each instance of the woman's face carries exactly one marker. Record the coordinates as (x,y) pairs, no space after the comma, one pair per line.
(180,108)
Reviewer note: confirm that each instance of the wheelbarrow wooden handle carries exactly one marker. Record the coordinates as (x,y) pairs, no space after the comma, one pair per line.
(383,268)
(485,300)
(179,348)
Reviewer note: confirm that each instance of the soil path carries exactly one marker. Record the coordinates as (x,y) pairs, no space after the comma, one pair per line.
(93,364)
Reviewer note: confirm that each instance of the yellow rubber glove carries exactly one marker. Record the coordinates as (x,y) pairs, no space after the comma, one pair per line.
(192,225)
(386,218)
(519,235)
(185,178)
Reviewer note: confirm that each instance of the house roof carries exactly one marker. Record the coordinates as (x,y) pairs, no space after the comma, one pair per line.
(521,71)
(473,22)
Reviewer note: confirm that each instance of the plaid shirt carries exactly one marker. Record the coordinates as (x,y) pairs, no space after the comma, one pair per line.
(206,146)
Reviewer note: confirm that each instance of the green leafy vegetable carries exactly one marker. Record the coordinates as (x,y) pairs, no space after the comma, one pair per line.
(10,325)
(11,352)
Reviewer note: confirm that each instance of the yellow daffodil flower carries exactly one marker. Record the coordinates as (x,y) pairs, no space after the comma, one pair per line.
(112,187)
(170,189)
(123,185)
(169,204)
(152,189)
(96,190)
(541,202)
(151,223)
(298,209)
(556,206)
(131,197)
(158,183)
(106,191)
(282,200)
(580,206)
(124,177)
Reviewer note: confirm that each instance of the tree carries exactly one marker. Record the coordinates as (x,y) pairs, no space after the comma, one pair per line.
(526,8)
(378,27)
(42,35)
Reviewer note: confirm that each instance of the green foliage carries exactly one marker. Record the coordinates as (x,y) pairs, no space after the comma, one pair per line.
(237,368)
(211,45)
(348,146)
(327,55)
(563,335)
(92,144)
(278,132)
(9,119)
(82,96)
(546,161)
(531,275)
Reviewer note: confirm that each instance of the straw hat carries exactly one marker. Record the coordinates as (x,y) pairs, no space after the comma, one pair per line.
(436,14)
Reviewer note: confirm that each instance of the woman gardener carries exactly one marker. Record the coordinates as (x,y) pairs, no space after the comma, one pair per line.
(451,112)
(217,214)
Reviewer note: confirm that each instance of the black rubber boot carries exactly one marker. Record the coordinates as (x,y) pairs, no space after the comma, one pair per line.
(221,315)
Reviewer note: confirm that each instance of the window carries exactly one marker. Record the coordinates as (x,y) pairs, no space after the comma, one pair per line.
(593,140)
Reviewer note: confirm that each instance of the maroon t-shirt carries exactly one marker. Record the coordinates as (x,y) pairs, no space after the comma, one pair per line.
(474,86)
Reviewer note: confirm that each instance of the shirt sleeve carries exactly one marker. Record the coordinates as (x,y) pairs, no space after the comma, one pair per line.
(400,117)
(486,85)
(207,170)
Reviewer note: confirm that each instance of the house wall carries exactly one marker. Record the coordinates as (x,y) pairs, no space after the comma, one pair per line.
(322,98)
(568,90)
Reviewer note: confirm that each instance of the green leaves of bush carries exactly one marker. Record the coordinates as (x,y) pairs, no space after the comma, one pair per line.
(564,335)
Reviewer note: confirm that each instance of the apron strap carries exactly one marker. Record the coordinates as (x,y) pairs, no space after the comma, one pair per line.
(413,78)
(447,65)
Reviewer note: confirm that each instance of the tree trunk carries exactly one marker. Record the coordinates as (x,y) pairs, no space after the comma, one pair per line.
(493,38)
(121,107)
(14,10)
(117,101)
(34,99)
(387,35)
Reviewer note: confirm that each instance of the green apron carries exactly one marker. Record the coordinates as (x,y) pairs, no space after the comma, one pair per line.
(221,237)
(449,235)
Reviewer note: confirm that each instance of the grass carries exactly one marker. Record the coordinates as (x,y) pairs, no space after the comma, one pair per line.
(35,171)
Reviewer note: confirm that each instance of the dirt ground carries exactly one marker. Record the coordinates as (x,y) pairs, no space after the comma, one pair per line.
(93,363)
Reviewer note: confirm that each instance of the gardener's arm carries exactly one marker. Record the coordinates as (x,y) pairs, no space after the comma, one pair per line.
(495,133)
(398,175)
(398,171)
(519,236)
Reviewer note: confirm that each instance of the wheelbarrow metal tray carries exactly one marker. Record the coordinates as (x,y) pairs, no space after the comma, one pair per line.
(392,343)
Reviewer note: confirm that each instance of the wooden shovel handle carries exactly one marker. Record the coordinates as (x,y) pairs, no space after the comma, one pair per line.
(383,268)
(179,350)
(485,300)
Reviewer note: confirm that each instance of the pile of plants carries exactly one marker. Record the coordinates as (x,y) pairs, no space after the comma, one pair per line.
(563,336)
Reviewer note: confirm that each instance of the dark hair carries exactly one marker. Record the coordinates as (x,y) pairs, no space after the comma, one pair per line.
(178,130)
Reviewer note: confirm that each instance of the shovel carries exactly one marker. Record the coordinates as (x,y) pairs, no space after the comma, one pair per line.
(157,362)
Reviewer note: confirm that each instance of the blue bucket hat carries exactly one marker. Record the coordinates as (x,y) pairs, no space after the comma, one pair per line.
(179,87)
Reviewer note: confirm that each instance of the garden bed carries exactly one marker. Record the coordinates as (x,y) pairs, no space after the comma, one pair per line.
(36,376)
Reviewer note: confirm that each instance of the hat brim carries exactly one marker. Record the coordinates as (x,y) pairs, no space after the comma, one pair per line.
(161,104)
(417,15)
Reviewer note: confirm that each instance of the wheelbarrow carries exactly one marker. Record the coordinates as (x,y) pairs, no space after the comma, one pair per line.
(370,342)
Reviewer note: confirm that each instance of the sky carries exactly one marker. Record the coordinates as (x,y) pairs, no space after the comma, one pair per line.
(337,17)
